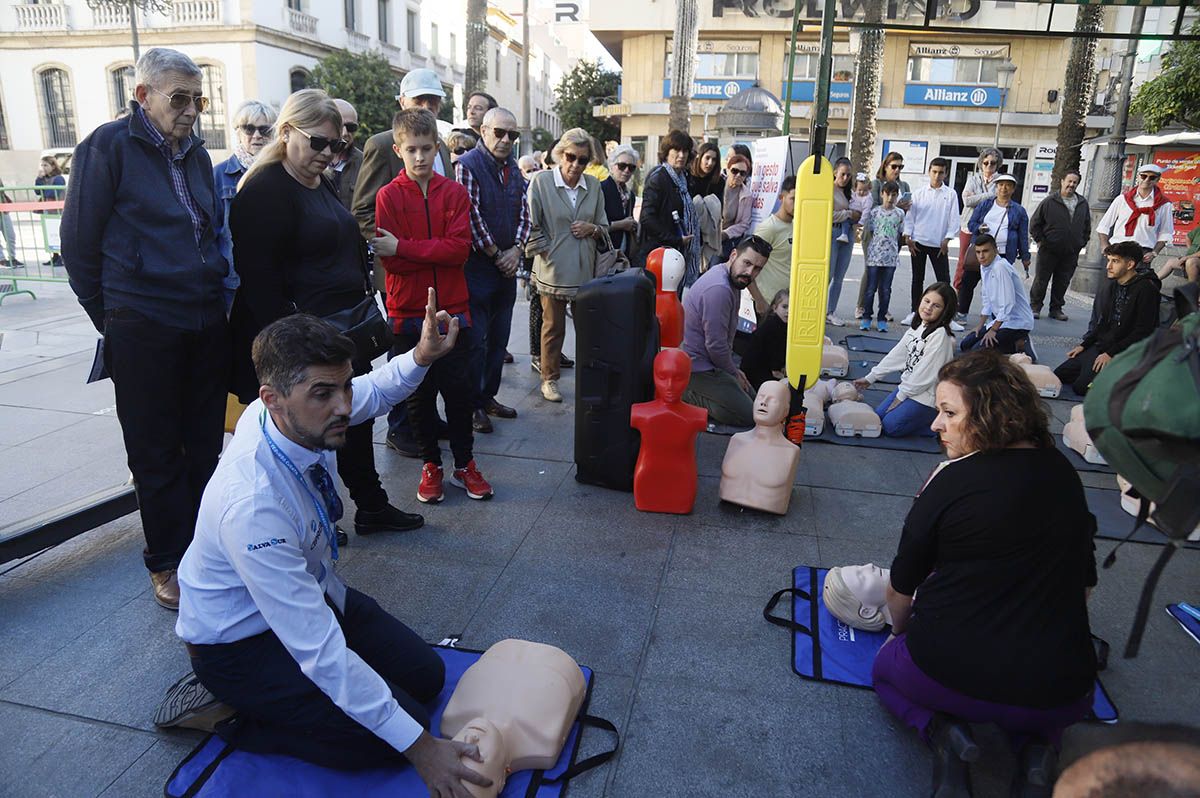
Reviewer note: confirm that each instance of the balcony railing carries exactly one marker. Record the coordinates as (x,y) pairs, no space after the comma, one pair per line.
(299,22)
(196,12)
(48,16)
(392,53)
(357,42)
(107,16)
(418,61)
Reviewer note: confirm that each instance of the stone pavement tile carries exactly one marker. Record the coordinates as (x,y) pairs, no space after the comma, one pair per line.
(117,671)
(612,697)
(45,754)
(62,389)
(40,618)
(710,510)
(844,551)
(601,621)
(104,473)
(575,499)
(145,777)
(858,516)
(858,468)
(107,559)
(736,561)
(702,741)
(710,453)
(542,430)
(76,363)
(23,424)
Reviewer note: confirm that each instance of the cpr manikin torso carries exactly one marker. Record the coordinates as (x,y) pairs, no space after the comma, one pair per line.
(667,266)
(664,480)
(1075,435)
(850,417)
(517,703)
(760,465)
(1042,377)
(835,360)
(815,399)
(857,596)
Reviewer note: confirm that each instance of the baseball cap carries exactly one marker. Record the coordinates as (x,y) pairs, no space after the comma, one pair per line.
(1150,167)
(421,82)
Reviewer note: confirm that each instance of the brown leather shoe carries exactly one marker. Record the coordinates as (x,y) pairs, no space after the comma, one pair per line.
(494,408)
(166,588)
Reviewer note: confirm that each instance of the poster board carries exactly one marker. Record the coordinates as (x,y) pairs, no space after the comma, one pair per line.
(1181,183)
(772,163)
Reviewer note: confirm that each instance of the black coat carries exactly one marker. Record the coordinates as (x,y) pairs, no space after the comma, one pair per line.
(1052,225)
(659,198)
(616,210)
(1138,320)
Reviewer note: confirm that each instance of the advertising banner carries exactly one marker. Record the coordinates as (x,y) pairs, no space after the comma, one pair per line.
(958,50)
(1181,183)
(804,91)
(711,89)
(770,167)
(952,95)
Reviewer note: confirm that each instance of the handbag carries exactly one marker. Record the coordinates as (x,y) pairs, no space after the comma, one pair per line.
(609,259)
(364,324)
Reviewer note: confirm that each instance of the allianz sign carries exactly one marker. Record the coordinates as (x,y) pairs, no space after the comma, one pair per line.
(960,96)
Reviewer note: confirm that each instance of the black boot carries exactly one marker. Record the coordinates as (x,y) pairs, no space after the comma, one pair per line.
(1037,764)
(953,748)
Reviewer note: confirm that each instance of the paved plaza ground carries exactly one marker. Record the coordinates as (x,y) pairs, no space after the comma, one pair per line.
(666,609)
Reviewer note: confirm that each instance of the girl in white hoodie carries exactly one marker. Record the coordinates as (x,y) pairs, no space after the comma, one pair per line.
(919,356)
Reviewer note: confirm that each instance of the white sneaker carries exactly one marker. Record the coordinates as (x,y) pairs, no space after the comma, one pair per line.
(907,320)
(550,391)
(842,239)
(834,321)
(956,327)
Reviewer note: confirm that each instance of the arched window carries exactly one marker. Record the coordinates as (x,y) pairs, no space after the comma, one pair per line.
(121,82)
(211,124)
(299,79)
(58,107)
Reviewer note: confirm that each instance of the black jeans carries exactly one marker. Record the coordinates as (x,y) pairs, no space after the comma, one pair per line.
(535,320)
(281,711)
(449,376)
(1052,265)
(966,289)
(1007,340)
(170,387)
(356,460)
(941,269)
(1077,371)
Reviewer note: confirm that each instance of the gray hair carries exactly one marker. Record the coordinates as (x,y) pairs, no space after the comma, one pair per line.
(527,161)
(985,152)
(625,149)
(250,110)
(159,61)
(489,119)
(575,137)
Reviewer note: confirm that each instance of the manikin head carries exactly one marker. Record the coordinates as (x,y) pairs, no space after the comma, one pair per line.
(771,403)
(667,266)
(672,370)
(493,750)
(857,596)
(845,392)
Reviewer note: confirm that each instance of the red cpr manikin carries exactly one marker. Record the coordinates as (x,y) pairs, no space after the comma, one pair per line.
(667,266)
(664,480)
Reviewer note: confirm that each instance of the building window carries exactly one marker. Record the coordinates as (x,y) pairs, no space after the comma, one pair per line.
(298,78)
(497,63)
(58,109)
(4,143)
(518,75)
(384,23)
(121,82)
(351,19)
(453,48)
(742,66)
(808,66)
(411,31)
(433,39)
(211,124)
(295,5)
(969,71)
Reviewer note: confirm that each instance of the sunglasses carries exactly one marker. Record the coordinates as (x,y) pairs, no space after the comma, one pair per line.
(181,100)
(1152,177)
(351,127)
(319,143)
(896,166)
(460,150)
(990,162)
(624,167)
(739,172)
(262,130)
(511,135)
(571,157)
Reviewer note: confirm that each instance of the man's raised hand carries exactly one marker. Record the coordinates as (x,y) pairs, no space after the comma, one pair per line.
(433,343)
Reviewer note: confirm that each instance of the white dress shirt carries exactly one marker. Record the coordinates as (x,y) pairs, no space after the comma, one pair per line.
(260,560)
(1004,297)
(933,217)
(1117,215)
(572,193)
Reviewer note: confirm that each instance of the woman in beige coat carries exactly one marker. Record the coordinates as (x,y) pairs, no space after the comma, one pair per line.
(566,208)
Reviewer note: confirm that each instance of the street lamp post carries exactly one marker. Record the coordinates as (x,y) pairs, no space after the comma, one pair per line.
(1005,70)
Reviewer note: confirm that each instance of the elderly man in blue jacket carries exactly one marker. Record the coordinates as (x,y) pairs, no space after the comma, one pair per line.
(141,244)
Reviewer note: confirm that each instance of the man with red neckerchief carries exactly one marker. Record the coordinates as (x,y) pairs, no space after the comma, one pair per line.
(1143,214)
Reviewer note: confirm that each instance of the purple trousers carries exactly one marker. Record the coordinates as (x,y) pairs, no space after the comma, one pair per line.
(914,698)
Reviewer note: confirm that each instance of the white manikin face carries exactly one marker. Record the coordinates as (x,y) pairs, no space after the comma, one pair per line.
(867,582)
(672,269)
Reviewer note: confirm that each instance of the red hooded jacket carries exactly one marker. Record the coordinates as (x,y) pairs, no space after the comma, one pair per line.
(434,239)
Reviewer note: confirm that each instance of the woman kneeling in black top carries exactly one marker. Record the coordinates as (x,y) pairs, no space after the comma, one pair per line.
(998,552)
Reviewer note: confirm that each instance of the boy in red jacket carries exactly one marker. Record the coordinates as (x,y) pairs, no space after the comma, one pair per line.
(429,216)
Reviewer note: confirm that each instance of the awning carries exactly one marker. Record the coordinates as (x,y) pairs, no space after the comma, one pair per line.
(1185,137)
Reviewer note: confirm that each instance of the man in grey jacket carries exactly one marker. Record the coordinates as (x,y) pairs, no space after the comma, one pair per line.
(1061,226)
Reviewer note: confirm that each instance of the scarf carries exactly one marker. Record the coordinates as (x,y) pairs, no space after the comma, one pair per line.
(1160,199)
(691,226)
(244,157)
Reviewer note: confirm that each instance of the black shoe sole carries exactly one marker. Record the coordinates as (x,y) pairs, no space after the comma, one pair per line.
(375,529)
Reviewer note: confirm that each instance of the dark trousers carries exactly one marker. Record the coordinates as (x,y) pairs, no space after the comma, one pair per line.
(281,711)
(535,321)
(879,281)
(170,387)
(966,289)
(1077,371)
(1008,341)
(492,300)
(1052,265)
(356,460)
(449,377)
(941,269)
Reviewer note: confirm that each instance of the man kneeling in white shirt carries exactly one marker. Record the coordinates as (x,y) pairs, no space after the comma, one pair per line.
(1006,319)
(313,668)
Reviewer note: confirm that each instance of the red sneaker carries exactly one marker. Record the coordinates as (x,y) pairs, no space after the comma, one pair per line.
(430,489)
(472,481)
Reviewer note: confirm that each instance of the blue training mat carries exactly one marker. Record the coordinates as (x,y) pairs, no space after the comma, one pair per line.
(843,655)
(1189,622)
(216,770)
(871,343)
(1113,523)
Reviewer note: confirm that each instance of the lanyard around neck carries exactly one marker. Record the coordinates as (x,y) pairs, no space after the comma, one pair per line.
(318,504)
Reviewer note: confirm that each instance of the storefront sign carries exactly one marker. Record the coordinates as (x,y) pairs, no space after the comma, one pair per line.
(804,91)
(722,46)
(1042,171)
(1181,183)
(1047,151)
(814,48)
(914,152)
(958,50)
(711,89)
(959,96)
(770,167)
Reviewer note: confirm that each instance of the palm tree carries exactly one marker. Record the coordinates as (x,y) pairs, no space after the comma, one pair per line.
(1079,84)
(866,87)
(477,40)
(683,64)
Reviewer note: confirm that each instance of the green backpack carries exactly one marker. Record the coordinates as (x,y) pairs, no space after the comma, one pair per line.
(1143,413)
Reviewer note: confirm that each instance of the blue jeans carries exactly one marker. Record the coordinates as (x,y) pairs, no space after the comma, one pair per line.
(492,300)
(908,418)
(839,263)
(878,279)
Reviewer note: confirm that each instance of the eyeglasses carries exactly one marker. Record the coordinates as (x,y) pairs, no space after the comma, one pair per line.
(571,157)
(624,167)
(262,130)
(1153,178)
(351,127)
(991,162)
(738,172)
(319,143)
(460,150)
(511,135)
(180,100)
(896,165)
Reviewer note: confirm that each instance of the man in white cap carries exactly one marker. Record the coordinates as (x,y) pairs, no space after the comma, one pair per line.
(1142,214)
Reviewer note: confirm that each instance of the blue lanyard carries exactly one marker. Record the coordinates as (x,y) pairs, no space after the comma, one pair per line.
(318,504)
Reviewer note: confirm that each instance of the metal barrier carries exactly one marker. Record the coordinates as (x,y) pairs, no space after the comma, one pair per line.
(29,244)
